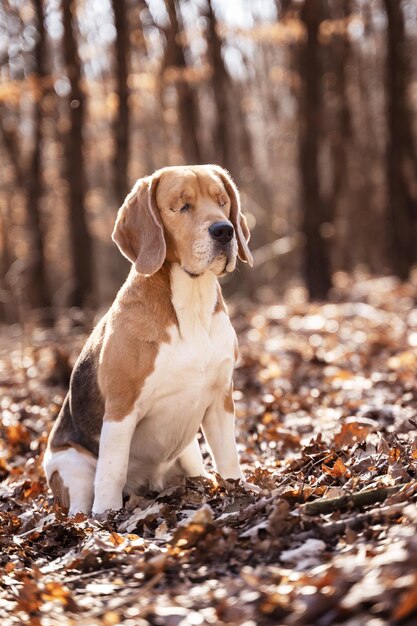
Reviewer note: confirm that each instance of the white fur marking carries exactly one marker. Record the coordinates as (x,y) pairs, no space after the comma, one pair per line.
(191,460)
(194,300)
(113,460)
(77,474)
(219,432)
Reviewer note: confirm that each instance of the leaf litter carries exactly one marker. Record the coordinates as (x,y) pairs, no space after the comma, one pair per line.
(326,402)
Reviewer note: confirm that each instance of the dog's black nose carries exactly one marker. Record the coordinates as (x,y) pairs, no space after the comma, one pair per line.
(221,231)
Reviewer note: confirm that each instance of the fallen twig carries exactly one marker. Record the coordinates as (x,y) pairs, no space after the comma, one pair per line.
(357,521)
(323,506)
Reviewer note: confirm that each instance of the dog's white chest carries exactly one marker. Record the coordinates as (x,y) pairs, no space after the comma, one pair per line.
(188,367)
(189,372)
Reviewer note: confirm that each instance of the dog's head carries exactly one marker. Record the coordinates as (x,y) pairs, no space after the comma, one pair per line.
(189,215)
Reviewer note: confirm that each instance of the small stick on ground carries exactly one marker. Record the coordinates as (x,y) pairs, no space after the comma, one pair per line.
(323,506)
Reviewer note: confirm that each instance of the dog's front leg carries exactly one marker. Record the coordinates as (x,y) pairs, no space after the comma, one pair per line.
(112,464)
(219,431)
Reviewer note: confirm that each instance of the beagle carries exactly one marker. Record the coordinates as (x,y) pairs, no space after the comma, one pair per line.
(159,364)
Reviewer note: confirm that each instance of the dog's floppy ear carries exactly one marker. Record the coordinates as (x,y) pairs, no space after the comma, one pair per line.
(138,232)
(236,216)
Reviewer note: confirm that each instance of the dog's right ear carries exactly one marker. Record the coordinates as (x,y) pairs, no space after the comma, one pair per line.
(138,232)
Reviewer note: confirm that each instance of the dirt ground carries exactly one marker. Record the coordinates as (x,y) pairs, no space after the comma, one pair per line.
(326,403)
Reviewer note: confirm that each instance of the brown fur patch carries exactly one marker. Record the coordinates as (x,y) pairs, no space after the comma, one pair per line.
(138,324)
(229,405)
(60,491)
(115,362)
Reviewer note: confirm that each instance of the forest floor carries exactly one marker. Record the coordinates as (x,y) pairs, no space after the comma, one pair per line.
(326,418)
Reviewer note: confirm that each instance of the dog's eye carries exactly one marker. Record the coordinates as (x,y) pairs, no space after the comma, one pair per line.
(223,203)
(185,208)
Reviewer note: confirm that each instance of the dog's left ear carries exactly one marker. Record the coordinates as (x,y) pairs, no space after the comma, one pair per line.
(236,216)
(138,232)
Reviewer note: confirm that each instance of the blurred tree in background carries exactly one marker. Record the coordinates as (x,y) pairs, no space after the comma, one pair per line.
(311,105)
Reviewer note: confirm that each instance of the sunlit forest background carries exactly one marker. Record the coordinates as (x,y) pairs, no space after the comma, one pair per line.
(311,105)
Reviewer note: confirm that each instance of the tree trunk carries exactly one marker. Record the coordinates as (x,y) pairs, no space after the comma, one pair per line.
(187,104)
(8,311)
(121,124)
(37,285)
(401,155)
(221,87)
(340,134)
(81,243)
(315,212)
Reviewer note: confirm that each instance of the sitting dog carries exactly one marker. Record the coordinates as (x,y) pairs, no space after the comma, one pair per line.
(159,365)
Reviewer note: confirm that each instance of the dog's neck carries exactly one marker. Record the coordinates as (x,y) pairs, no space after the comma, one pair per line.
(193,298)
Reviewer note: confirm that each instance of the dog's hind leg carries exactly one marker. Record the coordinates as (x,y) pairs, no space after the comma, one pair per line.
(191,460)
(70,475)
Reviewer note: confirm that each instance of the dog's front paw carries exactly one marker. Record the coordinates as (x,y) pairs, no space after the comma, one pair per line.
(234,473)
(102,506)
(208,475)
